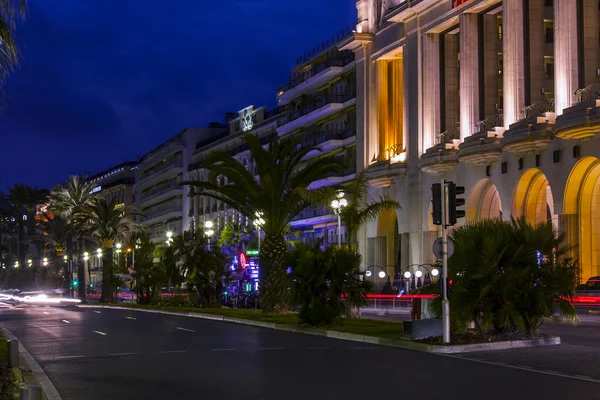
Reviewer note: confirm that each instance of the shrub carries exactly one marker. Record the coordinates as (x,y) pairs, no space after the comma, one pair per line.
(326,283)
(175,301)
(508,275)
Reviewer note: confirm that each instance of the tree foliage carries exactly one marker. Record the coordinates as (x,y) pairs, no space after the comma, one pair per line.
(149,276)
(327,283)
(509,275)
(281,192)
(11,11)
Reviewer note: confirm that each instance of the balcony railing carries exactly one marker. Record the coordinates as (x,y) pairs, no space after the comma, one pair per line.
(163,166)
(448,136)
(588,93)
(340,35)
(536,109)
(490,123)
(313,213)
(316,138)
(322,102)
(155,193)
(161,211)
(340,60)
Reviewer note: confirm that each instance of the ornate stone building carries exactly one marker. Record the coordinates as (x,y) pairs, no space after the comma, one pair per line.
(498,96)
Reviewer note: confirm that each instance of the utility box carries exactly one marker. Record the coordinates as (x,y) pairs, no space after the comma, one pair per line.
(423,328)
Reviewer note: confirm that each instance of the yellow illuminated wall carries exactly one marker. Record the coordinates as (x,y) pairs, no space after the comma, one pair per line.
(390,89)
(532,197)
(484,202)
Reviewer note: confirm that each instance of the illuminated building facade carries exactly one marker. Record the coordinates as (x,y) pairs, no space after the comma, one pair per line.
(116,184)
(499,96)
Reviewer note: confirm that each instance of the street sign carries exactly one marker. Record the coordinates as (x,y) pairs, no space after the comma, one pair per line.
(437,248)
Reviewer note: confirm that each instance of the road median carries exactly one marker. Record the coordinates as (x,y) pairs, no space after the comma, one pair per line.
(377,332)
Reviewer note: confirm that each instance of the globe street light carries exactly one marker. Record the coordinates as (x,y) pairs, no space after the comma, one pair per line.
(118,246)
(45,262)
(407,275)
(99,253)
(337,205)
(381,274)
(208,231)
(169,238)
(259,222)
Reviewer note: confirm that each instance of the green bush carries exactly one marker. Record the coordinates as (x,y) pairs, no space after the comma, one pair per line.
(508,275)
(321,278)
(176,301)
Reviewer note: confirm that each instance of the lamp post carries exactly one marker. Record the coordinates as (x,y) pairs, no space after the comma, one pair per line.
(337,205)
(169,238)
(259,222)
(381,274)
(208,231)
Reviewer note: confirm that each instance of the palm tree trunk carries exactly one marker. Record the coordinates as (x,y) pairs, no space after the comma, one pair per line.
(275,295)
(82,288)
(108,273)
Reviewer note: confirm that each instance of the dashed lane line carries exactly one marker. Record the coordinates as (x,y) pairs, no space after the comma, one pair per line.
(69,357)
(65,321)
(131,318)
(171,351)
(186,330)
(100,333)
(270,348)
(121,354)
(97,312)
(526,368)
(46,312)
(222,349)
(319,348)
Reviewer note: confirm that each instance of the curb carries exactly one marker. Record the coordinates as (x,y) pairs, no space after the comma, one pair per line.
(404,344)
(47,387)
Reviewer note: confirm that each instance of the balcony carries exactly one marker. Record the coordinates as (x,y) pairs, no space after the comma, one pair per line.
(441,158)
(160,194)
(171,166)
(316,111)
(166,213)
(314,216)
(534,132)
(318,75)
(162,152)
(483,147)
(581,121)
(382,173)
(336,178)
(327,140)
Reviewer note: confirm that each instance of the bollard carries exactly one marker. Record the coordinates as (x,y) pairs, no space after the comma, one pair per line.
(13,354)
(30,392)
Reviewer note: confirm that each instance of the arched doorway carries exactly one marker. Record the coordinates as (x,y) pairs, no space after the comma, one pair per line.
(484,202)
(582,203)
(533,199)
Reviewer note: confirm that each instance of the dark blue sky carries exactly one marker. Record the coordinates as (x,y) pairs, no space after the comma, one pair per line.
(104,81)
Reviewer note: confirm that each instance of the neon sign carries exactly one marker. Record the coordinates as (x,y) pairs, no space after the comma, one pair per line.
(242,260)
(458,3)
(252,252)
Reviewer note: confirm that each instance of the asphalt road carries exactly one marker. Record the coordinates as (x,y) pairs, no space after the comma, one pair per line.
(108,354)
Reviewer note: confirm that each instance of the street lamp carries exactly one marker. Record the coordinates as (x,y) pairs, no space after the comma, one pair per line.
(407,275)
(208,231)
(169,238)
(99,253)
(86,255)
(337,206)
(382,274)
(45,262)
(29,262)
(118,246)
(259,222)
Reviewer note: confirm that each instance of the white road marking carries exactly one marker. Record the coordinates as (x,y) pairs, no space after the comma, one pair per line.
(552,372)
(132,318)
(222,349)
(525,368)
(184,329)
(69,357)
(319,348)
(270,348)
(65,321)
(121,354)
(46,312)
(172,351)
(100,333)
(97,312)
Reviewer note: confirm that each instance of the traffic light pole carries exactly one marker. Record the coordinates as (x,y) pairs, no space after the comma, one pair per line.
(445,302)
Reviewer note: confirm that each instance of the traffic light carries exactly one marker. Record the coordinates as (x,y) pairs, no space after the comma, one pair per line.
(455,202)
(449,284)
(75,282)
(436,214)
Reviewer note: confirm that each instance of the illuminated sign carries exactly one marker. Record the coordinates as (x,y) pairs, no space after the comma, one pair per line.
(252,252)
(96,189)
(458,3)
(242,260)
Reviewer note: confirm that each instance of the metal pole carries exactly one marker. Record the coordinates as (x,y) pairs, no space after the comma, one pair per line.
(13,354)
(339,231)
(259,244)
(30,392)
(445,302)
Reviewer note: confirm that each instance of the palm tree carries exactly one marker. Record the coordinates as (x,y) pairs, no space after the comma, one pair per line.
(10,12)
(24,199)
(282,191)
(357,212)
(108,222)
(55,235)
(73,201)
(235,239)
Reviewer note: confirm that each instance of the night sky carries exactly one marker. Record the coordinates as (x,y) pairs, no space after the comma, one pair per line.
(104,81)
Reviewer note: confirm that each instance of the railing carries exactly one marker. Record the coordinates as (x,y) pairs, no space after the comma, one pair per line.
(314,212)
(316,138)
(162,211)
(342,59)
(447,136)
(536,109)
(588,93)
(156,193)
(393,151)
(340,35)
(273,112)
(337,98)
(164,166)
(490,123)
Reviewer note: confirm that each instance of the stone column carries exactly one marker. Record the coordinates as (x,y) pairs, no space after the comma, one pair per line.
(451,83)
(568,225)
(590,62)
(469,74)
(380,252)
(428,238)
(566,68)
(431,89)
(537,51)
(490,65)
(513,56)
